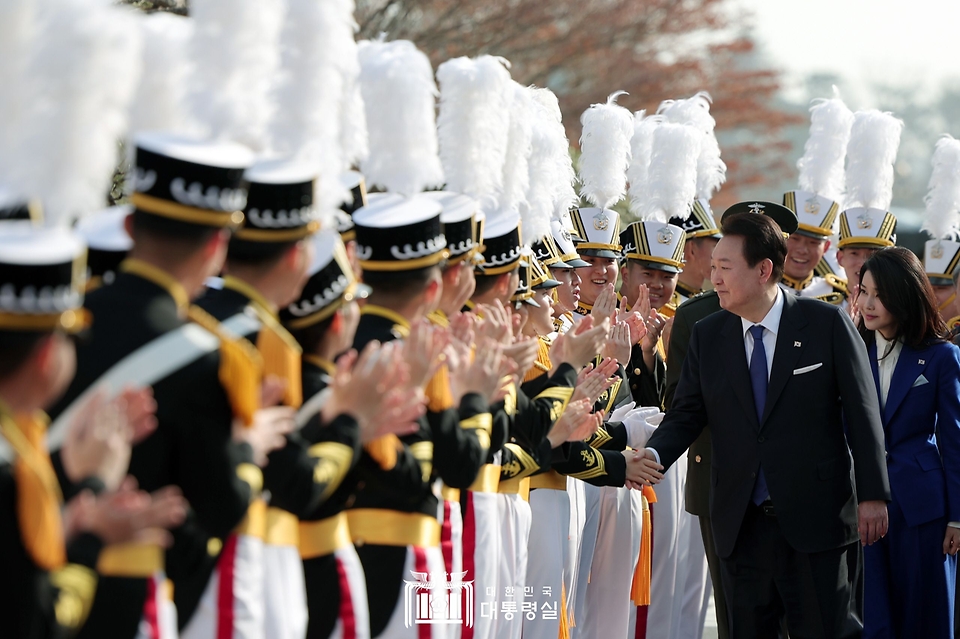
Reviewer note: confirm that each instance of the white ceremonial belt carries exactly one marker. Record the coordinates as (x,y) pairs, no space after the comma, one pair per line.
(147,365)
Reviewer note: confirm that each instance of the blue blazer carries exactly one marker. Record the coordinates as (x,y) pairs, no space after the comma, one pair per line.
(921,423)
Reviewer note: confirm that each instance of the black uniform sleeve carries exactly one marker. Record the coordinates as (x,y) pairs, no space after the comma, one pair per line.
(596,467)
(301,476)
(461,440)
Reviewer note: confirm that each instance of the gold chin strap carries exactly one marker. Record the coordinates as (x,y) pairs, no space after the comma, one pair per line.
(38,492)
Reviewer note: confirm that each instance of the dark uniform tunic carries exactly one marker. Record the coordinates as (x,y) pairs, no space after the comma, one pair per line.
(191,447)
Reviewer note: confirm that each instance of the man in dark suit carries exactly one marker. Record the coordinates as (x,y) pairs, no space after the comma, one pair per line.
(776,378)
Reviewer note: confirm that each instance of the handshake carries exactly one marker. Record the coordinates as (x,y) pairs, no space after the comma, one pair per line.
(643,468)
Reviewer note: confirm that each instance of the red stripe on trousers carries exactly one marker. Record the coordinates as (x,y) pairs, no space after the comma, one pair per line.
(348,622)
(469,547)
(150,613)
(225,566)
(641,632)
(420,564)
(446,537)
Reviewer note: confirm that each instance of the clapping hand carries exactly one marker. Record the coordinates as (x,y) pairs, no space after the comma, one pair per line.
(576,424)
(605,306)
(99,440)
(618,346)
(270,425)
(423,349)
(579,345)
(481,376)
(592,384)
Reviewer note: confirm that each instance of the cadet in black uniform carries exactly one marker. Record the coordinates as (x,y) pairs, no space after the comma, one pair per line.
(187,195)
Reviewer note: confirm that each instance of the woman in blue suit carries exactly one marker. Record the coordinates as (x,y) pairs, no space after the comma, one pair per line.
(910,574)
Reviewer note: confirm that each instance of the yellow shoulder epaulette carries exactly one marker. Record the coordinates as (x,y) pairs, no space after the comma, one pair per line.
(838,283)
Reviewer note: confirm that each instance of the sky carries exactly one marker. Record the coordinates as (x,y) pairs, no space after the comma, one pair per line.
(866,41)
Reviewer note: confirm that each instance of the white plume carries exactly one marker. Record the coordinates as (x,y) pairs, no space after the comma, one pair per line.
(236,44)
(17,35)
(400,97)
(942,220)
(821,166)
(641,146)
(605,152)
(672,176)
(711,170)
(473,125)
(160,101)
(319,65)
(82,75)
(871,153)
(551,189)
(516,163)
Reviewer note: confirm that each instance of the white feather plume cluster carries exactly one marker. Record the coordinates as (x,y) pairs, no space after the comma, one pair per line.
(398,89)
(942,219)
(17,33)
(516,163)
(871,154)
(81,77)
(695,111)
(605,151)
(236,44)
(160,101)
(473,125)
(354,143)
(821,166)
(551,189)
(641,147)
(672,176)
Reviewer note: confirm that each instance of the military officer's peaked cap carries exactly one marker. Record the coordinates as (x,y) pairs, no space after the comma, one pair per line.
(784,217)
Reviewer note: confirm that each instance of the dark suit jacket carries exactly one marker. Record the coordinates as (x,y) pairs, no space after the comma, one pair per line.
(800,439)
(697,492)
(921,421)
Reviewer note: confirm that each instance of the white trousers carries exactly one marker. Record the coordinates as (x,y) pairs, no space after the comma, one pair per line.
(285,595)
(481,560)
(609,607)
(408,618)
(547,556)
(586,550)
(159,620)
(353,620)
(515,521)
(238,582)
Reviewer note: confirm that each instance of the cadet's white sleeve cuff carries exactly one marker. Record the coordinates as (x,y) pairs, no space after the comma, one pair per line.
(954,524)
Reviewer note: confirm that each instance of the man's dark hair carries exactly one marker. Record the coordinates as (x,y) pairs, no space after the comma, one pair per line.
(400,284)
(310,337)
(485,283)
(16,347)
(905,291)
(262,254)
(762,240)
(180,237)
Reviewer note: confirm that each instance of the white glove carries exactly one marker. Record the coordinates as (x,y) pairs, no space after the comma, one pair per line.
(618,414)
(640,424)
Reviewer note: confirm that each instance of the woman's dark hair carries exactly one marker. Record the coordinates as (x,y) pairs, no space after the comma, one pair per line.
(906,293)
(762,240)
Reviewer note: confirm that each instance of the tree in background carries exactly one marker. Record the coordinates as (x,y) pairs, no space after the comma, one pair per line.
(586,49)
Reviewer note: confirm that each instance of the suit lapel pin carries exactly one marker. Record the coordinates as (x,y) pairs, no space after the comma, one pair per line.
(796,344)
(921,362)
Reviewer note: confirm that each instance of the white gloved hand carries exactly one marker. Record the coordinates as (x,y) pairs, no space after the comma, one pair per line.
(640,424)
(621,412)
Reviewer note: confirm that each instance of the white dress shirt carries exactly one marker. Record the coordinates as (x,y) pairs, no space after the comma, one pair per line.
(771,322)
(886,365)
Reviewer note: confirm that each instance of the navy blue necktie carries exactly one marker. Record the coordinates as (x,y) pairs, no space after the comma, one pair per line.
(758,379)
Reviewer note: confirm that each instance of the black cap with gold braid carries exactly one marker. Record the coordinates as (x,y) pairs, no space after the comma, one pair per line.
(279,203)
(189,180)
(396,233)
(42,273)
(701,222)
(354,182)
(331,283)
